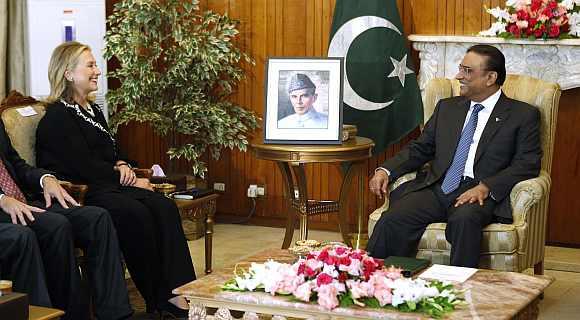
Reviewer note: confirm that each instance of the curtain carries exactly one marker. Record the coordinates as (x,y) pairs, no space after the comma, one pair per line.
(12,46)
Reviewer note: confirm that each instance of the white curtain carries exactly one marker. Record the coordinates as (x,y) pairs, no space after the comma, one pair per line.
(12,46)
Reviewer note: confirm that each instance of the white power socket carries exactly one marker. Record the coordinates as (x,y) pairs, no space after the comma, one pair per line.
(219,186)
(253,191)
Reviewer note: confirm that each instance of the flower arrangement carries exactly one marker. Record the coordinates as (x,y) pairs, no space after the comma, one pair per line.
(536,19)
(340,276)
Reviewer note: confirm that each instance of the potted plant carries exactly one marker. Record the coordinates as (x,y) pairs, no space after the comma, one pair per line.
(178,67)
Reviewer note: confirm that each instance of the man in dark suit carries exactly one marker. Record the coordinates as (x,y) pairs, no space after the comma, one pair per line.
(37,245)
(477,147)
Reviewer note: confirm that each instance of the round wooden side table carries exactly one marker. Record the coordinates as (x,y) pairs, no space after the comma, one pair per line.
(291,160)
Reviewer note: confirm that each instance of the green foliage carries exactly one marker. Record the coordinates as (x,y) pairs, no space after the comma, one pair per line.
(177,68)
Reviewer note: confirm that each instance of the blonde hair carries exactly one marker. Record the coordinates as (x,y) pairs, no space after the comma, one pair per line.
(64,57)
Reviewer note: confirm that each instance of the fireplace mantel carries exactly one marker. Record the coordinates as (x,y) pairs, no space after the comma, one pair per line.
(552,60)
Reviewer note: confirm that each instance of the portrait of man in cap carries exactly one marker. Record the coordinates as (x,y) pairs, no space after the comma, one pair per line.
(302,95)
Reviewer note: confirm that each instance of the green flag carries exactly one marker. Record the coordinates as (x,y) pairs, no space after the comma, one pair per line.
(381,94)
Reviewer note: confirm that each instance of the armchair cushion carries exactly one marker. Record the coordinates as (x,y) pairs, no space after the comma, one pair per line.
(22,130)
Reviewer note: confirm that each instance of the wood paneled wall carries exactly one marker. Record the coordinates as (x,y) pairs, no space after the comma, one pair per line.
(301,28)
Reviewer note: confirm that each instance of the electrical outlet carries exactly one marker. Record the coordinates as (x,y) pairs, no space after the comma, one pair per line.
(219,186)
(261,191)
(253,191)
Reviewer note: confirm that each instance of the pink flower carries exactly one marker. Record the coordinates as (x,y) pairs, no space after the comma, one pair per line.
(522,24)
(360,289)
(304,291)
(384,295)
(313,265)
(328,296)
(353,268)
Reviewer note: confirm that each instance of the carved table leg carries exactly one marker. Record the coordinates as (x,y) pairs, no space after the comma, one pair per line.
(209,235)
(300,175)
(289,189)
(342,209)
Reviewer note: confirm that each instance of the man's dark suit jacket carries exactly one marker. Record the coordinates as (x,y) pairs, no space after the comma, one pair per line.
(26,177)
(509,150)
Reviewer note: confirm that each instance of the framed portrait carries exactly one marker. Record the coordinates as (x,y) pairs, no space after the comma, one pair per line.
(303,101)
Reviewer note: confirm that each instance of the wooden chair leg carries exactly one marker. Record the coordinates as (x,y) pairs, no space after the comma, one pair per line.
(539,268)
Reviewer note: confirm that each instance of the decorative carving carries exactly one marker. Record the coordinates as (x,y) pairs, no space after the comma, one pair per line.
(197,312)
(250,316)
(223,314)
(556,61)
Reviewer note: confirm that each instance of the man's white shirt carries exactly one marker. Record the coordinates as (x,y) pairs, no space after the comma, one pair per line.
(483,117)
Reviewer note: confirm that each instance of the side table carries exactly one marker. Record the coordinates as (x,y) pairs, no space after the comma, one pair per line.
(291,160)
(201,208)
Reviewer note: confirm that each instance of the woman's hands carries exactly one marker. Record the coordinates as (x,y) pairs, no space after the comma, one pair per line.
(127,175)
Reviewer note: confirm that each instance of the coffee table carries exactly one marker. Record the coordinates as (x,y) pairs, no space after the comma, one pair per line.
(489,295)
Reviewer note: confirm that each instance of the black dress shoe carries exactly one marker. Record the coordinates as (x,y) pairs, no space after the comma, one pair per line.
(171,312)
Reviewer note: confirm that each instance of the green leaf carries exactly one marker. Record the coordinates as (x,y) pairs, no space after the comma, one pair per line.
(178,67)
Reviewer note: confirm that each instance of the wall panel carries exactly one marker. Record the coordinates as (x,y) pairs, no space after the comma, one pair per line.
(301,28)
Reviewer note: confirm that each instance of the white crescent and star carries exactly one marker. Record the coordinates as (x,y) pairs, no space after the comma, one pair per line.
(339,46)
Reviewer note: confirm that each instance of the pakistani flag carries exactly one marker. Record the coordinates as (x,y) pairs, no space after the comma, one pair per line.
(381,94)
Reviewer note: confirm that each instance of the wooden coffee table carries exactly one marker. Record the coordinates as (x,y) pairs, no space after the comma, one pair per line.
(489,295)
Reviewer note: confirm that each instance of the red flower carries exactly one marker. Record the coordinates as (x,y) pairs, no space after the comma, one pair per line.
(331,260)
(379,262)
(532,22)
(548,12)
(522,14)
(356,255)
(323,278)
(323,255)
(309,272)
(536,4)
(513,29)
(340,250)
(552,4)
(344,261)
(540,31)
(343,276)
(554,32)
(301,268)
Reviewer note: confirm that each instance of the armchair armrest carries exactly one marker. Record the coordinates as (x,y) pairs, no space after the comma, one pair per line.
(143,173)
(77,191)
(375,215)
(526,194)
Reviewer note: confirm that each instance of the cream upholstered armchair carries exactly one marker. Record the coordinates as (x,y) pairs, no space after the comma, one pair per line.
(20,116)
(507,247)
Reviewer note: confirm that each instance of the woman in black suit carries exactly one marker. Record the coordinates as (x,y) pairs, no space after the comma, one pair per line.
(74,141)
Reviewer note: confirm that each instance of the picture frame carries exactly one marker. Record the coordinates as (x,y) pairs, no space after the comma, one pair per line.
(303,100)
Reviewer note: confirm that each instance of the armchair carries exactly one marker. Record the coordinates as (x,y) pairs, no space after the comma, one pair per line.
(507,247)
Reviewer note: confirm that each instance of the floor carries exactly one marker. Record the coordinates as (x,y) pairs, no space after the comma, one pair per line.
(234,242)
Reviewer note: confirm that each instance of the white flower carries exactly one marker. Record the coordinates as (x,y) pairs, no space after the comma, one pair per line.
(500,14)
(496,28)
(448,294)
(247,282)
(517,3)
(330,270)
(574,21)
(569,4)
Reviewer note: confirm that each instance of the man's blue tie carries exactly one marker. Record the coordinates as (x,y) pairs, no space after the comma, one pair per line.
(455,171)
